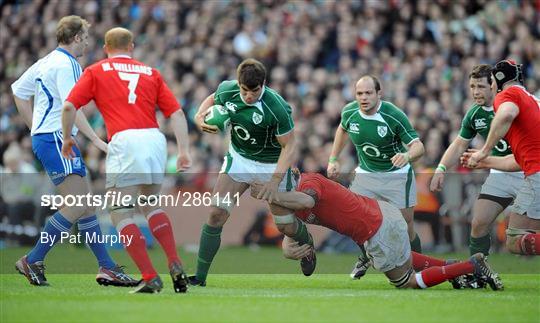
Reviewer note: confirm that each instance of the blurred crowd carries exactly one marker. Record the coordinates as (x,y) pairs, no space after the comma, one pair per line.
(314,52)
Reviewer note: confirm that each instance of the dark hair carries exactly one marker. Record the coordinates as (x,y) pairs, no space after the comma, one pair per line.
(375,80)
(69,27)
(251,73)
(481,71)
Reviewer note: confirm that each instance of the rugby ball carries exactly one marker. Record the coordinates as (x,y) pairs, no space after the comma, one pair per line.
(218,116)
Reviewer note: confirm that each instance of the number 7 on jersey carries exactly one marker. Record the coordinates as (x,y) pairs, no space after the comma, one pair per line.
(133,80)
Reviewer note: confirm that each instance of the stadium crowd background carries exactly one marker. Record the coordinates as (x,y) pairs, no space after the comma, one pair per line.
(314,52)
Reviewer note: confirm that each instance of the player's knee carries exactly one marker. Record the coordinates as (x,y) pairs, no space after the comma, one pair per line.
(217,217)
(479,227)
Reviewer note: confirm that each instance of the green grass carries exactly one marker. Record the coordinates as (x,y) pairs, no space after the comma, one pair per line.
(248,286)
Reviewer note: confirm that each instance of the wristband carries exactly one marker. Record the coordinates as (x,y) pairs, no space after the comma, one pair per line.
(332,159)
(441,167)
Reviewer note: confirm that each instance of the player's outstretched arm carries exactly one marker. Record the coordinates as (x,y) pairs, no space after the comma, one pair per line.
(25,110)
(285,161)
(82,123)
(179,126)
(340,140)
(201,113)
(449,159)
(290,200)
(506,163)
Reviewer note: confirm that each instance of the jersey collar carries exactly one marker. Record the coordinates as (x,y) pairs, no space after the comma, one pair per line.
(121,56)
(490,108)
(60,49)
(370,116)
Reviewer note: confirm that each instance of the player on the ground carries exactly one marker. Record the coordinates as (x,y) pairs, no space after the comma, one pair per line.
(379,131)
(126,93)
(380,227)
(500,188)
(262,149)
(49,81)
(517,118)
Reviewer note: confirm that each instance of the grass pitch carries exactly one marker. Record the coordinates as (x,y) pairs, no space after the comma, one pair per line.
(260,286)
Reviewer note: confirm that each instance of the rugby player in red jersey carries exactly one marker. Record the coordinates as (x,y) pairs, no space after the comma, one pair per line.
(126,93)
(517,119)
(377,225)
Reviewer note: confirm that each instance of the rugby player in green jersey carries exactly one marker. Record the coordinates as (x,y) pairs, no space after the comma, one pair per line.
(386,144)
(500,188)
(262,149)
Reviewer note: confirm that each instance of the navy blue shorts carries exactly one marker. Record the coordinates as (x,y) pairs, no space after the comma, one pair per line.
(47,147)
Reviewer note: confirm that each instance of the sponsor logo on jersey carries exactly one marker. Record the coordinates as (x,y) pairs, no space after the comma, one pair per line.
(257,118)
(480,123)
(231,106)
(354,127)
(76,162)
(382,130)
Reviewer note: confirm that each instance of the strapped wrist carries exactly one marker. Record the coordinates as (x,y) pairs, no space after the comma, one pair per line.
(332,159)
(441,167)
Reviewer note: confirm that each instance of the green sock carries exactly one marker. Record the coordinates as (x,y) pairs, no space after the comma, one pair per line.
(481,244)
(416,246)
(208,247)
(302,234)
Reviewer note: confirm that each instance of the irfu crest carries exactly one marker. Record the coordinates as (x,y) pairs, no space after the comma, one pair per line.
(382,130)
(257,118)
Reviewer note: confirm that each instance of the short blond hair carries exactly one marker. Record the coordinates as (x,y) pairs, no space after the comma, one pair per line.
(118,38)
(70,26)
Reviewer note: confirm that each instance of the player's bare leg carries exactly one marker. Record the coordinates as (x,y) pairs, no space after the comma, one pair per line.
(292,227)
(484,214)
(408,215)
(523,235)
(161,228)
(226,188)
(134,242)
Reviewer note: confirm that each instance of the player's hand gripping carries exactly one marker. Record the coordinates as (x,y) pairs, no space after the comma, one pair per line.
(269,190)
(333,169)
(400,160)
(203,126)
(293,250)
(183,162)
(465,159)
(67,148)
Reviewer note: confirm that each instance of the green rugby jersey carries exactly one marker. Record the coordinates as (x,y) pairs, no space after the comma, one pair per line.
(254,127)
(478,121)
(378,137)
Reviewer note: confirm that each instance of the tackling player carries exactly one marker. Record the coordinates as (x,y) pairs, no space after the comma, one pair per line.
(262,149)
(380,227)
(517,118)
(379,131)
(500,188)
(126,93)
(49,81)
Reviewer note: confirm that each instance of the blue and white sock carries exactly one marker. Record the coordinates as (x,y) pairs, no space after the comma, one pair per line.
(54,227)
(89,227)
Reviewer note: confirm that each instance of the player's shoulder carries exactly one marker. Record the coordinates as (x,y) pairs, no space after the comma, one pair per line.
(228,86)
(349,108)
(472,111)
(389,108)
(273,99)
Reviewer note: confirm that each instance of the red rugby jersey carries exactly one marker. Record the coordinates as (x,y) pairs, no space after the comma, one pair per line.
(524,133)
(339,209)
(126,93)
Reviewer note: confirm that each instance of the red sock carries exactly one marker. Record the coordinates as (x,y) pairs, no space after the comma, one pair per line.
(437,274)
(530,244)
(421,262)
(161,228)
(137,251)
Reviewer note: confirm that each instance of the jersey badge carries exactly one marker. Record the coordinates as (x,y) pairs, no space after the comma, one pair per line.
(382,130)
(257,118)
